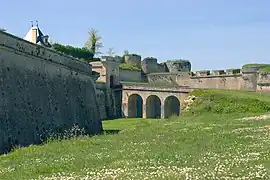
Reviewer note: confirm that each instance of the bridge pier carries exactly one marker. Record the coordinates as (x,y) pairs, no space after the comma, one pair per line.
(124,109)
(144,110)
(162,110)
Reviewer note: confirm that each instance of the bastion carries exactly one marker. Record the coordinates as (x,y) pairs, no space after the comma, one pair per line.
(42,93)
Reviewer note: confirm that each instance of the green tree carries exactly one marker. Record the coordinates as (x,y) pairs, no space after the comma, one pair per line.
(94,42)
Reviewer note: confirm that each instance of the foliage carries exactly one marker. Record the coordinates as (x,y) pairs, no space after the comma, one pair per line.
(94,41)
(80,53)
(132,67)
(264,68)
(224,102)
(263,84)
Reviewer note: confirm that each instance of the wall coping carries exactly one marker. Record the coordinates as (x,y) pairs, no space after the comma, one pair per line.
(216,76)
(156,86)
(67,61)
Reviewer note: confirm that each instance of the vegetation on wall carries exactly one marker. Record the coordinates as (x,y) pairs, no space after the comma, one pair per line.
(263,84)
(132,67)
(80,53)
(264,68)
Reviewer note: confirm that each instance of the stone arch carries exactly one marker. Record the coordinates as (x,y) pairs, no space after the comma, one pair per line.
(135,106)
(153,107)
(171,106)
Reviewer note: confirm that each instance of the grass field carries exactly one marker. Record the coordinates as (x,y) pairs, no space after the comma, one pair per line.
(207,143)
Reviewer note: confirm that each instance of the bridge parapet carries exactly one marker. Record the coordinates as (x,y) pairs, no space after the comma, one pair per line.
(156,87)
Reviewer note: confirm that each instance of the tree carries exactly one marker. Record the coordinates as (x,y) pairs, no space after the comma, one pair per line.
(126,52)
(94,41)
(111,52)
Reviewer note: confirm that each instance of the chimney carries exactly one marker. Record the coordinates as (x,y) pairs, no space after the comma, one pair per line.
(34,35)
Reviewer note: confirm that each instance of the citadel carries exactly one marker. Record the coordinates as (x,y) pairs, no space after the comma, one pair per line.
(44,91)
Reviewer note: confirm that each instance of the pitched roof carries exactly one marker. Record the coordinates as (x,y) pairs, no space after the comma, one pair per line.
(40,39)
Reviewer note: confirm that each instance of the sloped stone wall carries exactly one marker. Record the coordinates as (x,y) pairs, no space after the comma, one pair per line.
(42,92)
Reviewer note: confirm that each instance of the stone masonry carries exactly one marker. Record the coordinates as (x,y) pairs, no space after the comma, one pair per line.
(42,92)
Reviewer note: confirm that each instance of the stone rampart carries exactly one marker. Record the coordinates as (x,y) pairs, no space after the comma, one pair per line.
(130,75)
(42,93)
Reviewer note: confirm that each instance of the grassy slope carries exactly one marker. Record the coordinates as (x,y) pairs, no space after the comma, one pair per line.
(228,102)
(208,146)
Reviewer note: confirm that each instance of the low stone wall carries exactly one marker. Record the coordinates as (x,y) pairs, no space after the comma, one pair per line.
(42,93)
(216,82)
(263,88)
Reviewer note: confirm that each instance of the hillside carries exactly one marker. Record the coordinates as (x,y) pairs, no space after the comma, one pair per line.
(228,102)
(209,142)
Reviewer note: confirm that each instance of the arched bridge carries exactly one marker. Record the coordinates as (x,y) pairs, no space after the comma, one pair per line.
(150,101)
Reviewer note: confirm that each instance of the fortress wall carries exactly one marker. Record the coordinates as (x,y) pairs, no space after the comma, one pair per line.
(109,101)
(42,92)
(129,75)
(215,82)
(162,78)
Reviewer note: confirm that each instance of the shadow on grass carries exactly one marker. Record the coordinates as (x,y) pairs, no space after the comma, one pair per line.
(110,131)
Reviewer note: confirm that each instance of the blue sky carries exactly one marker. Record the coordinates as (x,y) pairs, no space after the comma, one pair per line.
(212,34)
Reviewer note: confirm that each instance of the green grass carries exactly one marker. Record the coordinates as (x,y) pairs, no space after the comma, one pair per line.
(264,68)
(228,102)
(131,67)
(208,145)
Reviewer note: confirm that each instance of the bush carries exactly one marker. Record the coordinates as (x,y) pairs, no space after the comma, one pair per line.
(80,53)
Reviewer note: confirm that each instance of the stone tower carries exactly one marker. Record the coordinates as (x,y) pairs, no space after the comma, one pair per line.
(249,76)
